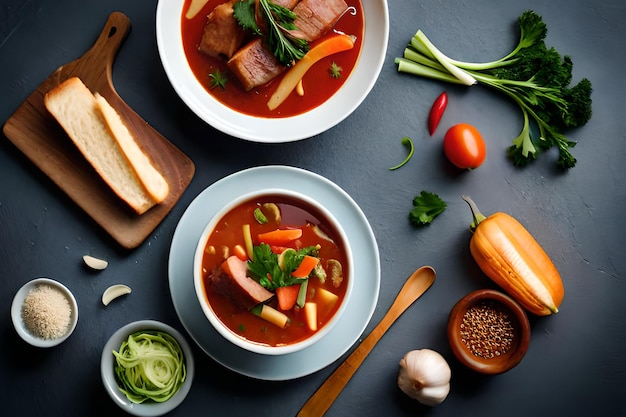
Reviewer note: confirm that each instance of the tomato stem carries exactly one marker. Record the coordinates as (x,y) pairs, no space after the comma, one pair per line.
(476,214)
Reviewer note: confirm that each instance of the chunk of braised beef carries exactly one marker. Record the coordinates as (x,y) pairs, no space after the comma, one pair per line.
(254,65)
(222,35)
(232,280)
(315,17)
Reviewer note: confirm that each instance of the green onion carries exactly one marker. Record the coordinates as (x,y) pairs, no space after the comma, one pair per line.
(407,142)
(150,365)
(301,300)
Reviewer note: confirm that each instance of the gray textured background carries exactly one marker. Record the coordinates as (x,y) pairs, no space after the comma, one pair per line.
(575,364)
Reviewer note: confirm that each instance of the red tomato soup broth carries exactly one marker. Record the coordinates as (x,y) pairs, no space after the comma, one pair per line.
(295,214)
(318,83)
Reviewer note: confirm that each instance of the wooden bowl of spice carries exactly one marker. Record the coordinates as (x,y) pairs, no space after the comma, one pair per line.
(488,331)
(44,312)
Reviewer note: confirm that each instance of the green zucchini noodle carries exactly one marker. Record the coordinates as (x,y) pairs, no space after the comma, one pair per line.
(150,365)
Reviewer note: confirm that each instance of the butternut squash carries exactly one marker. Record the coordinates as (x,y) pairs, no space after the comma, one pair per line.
(510,256)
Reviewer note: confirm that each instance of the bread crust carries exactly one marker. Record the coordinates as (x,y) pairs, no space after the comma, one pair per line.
(149,176)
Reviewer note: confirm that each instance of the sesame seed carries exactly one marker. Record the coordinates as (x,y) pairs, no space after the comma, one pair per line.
(46,312)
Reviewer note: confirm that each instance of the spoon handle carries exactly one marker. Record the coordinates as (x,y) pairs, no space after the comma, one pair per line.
(326,394)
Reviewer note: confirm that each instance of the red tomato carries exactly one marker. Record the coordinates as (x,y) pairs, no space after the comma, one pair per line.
(464,146)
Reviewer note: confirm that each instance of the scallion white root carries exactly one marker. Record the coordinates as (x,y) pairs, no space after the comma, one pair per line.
(459,73)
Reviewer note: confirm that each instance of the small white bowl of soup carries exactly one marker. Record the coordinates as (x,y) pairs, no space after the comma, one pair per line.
(273,271)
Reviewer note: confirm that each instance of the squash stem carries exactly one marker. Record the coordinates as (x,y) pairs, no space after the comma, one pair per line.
(476,214)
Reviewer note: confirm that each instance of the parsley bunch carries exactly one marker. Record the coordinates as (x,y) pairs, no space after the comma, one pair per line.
(534,76)
(281,34)
(268,269)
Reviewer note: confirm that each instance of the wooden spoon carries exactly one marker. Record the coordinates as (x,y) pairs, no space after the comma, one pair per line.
(413,288)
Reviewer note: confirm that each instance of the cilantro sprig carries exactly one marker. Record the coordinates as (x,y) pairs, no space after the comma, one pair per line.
(335,70)
(218,79)
(266,267)
(281,34)
(426,207)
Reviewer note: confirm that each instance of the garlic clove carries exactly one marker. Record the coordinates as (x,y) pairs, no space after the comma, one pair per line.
(95,263)
(432,396)
(113,292)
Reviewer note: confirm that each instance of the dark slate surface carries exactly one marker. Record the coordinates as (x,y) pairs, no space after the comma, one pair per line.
(575,364)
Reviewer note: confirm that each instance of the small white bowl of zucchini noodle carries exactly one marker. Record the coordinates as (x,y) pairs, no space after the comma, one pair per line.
(147,368)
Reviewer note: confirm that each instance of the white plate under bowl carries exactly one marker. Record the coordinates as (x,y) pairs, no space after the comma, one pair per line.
(146,409)
(360,306)
(273,130)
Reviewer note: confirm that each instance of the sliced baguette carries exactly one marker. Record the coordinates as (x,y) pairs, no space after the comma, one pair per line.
(152,179)
(77,110)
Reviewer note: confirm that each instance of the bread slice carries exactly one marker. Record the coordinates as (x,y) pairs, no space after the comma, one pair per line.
(151,179)
(81,115)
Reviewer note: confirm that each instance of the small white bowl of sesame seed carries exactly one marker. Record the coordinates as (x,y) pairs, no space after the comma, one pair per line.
(44,312)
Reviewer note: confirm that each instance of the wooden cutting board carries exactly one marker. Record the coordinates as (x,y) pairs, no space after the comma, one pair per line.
(37,134)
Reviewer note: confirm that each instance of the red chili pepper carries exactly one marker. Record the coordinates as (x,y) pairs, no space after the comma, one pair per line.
(436,111)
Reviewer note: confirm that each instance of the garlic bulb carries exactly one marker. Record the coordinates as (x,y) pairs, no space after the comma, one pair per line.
(425,376)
